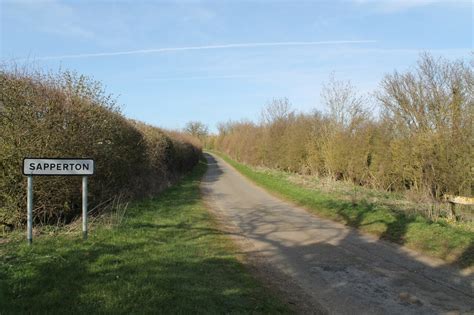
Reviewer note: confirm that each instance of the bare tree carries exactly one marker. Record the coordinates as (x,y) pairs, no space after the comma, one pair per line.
(225,128)
(431,109)
(432,97)
(197,129)
(344,103)
(277,110)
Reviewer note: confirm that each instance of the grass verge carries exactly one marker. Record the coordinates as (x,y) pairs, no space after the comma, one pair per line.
(439,239)
(165,257)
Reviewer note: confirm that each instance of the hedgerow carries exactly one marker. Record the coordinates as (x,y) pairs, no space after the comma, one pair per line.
(70,115)
(420,143)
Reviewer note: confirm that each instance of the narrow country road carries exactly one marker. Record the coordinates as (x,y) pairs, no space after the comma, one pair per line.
(344,271)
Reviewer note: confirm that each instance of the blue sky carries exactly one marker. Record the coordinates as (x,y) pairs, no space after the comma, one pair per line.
(169,62)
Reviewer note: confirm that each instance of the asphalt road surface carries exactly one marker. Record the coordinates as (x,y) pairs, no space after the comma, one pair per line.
(342,270)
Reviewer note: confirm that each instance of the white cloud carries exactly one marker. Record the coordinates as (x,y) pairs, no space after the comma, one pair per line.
(48,16)
(400,5)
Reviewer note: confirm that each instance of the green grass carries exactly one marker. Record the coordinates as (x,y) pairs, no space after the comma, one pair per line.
(439,239)
(166,257)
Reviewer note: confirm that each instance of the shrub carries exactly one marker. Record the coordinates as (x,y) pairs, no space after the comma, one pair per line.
(69,115)
(421,143)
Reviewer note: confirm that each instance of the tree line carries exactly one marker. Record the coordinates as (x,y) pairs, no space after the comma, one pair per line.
(415,133)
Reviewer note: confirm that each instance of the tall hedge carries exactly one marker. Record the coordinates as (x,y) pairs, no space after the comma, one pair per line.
(421,142)
(69,115)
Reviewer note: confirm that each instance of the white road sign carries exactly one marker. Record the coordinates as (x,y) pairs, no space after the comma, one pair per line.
(58,167)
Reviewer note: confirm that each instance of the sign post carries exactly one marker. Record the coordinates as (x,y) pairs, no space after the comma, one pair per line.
(56,167)
(29,215)
(84,207)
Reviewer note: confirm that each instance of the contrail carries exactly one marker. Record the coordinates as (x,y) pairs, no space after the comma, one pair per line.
(209,47)
(210,77)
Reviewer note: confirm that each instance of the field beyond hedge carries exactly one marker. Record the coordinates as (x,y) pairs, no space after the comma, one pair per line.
(70,115)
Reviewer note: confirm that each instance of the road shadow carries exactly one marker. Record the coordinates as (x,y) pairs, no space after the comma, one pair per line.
(344,269)
(214,172)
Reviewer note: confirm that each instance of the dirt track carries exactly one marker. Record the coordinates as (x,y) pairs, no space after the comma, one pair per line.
(339,269)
